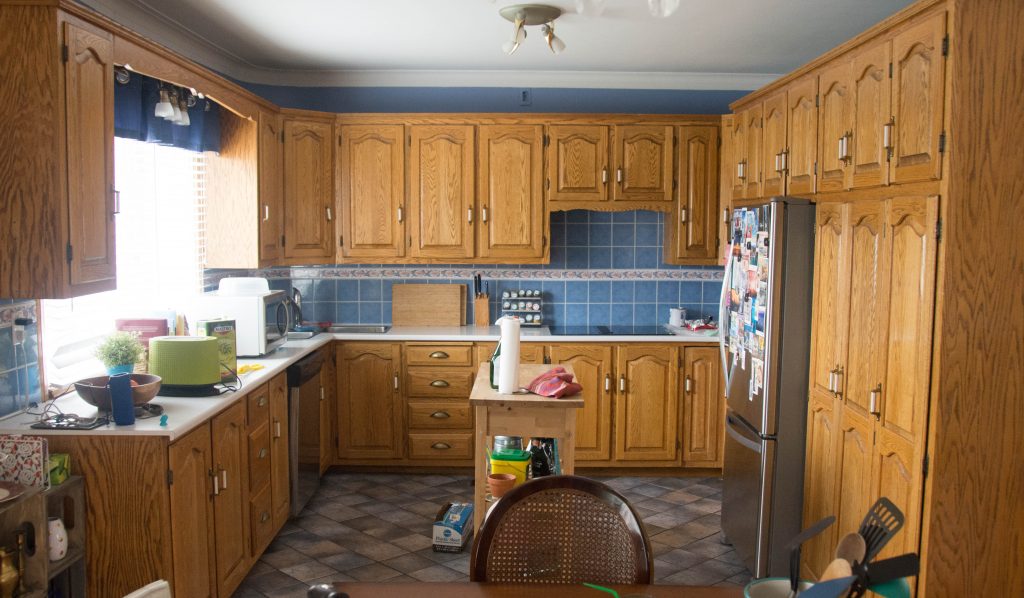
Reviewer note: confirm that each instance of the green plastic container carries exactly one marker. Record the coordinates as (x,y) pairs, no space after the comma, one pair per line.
(514,461)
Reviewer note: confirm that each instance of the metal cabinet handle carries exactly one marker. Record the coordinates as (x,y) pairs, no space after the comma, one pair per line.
(216,483)
(682,214)
(117,201)
(604,175)
(440,384)
(266,212)
(438,355)
(262,454)
(832,381)
(873,398)
(842,149)
(618,175)
(778,162)
(483,214)
(264,517)
(741,170)
(396,381)
(400,213)
(607,382)
(725,215)
(440,415)
(622,384)
(330,214)
(441,446)
(262,401)
(223,479)
(688,385)
(887,129)
(785,160)
(839,382)
(323,395)
(469,215)
(277,428)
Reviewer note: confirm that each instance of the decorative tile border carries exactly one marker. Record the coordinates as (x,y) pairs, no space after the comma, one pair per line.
(447,273)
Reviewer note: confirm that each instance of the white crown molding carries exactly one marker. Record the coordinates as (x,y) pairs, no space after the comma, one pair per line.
(154,25)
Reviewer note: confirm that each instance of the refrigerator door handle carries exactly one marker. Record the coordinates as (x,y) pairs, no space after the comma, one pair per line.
(722,314)
(730,428)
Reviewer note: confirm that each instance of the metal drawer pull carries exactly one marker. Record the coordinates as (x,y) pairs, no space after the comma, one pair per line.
(277,429)
(396,381)
(682,214)
(266,212)
(873,398)
(604,175)
(483,213)
(441,446)
(223,479)
(263,453)
(469,215)
(440,415)
(330,214)
(438,355)
(622,383)
(264,517)
(440,384)
(216,484)
(607,382)
(399,213)
(688,385)
(618,175)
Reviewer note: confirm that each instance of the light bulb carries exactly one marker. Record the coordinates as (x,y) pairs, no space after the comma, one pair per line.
(518,36)
(555,43)
(185,120)
(163,107)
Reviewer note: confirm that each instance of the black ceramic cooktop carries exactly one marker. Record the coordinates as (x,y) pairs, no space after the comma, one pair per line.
(610,331)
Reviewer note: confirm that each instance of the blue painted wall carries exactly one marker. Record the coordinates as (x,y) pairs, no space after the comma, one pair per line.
(497,99)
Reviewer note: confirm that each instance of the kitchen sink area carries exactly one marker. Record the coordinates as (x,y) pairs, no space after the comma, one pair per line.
(357,329)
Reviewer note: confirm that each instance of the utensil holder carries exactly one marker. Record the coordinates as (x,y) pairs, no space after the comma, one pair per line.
(481,310)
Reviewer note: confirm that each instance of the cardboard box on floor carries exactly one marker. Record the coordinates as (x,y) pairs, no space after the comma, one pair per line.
(453,527)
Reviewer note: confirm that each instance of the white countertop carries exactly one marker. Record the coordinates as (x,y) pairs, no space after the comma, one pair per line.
(185,413)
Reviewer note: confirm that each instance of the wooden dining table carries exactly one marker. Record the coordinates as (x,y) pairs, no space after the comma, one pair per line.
(503,590)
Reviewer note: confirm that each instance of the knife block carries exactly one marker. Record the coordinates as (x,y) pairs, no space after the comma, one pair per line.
(481,310)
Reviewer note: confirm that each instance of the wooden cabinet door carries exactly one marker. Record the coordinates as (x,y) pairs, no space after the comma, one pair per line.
(693,231)
(646,403)
(592,364)
(280,489)
(271,186)
(776,112)
(370,411)
(643,163)
(820,480)
(308,190)
(192,519)
(371,169)
(328,399)
(802,137)
(752,160)
(903,410)
(835,118)
(918,85)
(740,168)
(703,397)
(869,165)
(511,194)
(853,482)
(866,358)
(831,309)
(442,209)
(230,505)
(726,172)
(577,163)
(89,113)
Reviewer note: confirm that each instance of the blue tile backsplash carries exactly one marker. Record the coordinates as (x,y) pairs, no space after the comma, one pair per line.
(19,363)
(606,269)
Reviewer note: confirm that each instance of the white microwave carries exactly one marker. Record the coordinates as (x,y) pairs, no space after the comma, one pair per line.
(262,320)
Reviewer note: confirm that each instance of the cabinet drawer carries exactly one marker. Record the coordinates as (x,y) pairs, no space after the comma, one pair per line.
(439,354)
(440,415)
(441,446)
(261,521)
(259,457)
(438,382)
(258,403)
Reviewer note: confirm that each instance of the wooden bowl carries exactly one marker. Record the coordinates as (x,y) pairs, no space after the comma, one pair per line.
(95,392)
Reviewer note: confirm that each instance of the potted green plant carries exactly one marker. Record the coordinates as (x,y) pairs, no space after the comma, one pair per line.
(119,352)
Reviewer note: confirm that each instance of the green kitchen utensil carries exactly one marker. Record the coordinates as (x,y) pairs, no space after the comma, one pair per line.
(897,588)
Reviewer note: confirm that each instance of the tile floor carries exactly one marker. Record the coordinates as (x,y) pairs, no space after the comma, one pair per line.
(375,527)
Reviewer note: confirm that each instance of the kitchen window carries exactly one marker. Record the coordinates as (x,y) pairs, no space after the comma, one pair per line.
(160,243)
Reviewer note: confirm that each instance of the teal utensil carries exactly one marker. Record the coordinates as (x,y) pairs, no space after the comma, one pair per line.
(897,588)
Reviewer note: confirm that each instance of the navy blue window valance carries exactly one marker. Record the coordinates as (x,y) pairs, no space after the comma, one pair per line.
(134,106)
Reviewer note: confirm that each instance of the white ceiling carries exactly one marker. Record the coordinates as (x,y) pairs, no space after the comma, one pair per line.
(706,44)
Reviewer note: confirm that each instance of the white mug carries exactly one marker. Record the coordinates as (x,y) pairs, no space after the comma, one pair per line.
(676,315)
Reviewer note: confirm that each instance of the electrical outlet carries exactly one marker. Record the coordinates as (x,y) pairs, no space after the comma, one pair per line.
(525,97)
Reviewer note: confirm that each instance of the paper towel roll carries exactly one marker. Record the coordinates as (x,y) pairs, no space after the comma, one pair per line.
(508,361)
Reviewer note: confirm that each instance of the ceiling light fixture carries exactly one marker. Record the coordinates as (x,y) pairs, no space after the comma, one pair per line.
(530,15)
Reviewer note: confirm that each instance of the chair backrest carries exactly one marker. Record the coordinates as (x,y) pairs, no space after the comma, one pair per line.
(157,589)
(562,529)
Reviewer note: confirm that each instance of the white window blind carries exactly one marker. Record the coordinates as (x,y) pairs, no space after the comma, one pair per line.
(161,235)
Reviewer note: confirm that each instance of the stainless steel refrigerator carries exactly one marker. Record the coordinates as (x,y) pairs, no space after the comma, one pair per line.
(764,325)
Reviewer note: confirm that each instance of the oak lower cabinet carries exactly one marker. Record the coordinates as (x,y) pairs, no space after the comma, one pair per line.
(370,408)
(230,497)
(593,365)
(280,462)
(309,227)
(328,401)
(57,220)
(703,397)
(646,403)
(438,379)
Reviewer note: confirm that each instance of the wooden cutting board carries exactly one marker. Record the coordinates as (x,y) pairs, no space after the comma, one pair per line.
(428,305)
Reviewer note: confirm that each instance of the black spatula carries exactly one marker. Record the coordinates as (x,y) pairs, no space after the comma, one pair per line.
(794,548)
(873,574)
(879,526)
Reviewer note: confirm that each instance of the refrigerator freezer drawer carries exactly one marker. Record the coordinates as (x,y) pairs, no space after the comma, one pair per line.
(743,493)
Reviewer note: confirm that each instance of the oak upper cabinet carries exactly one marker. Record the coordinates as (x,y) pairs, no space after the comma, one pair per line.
(371,178)
(646,403)
(737,142)
(577,168)
(801,149)
(280,489)
(643,163)
(835,105)
(441,191)
(918,85)
(865,148)
(510,171)
(270,144)
(748,184)
(692,236)
(830,303)
(89,114)
(370,410)
(726,170)
(230,505)
(703,398)
(773,152)
(308,189)
(592,365)
(192,519)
